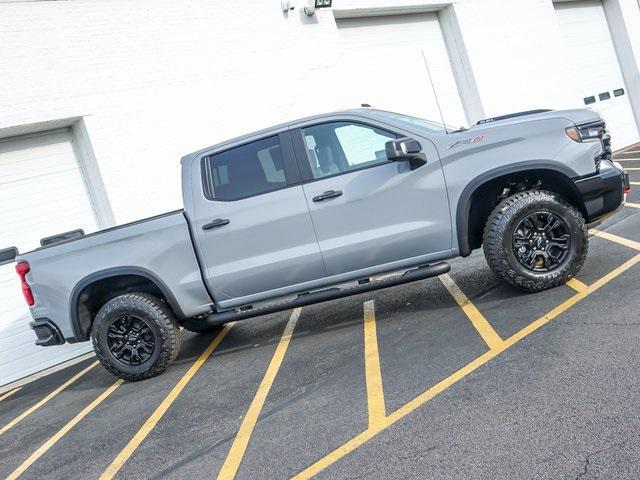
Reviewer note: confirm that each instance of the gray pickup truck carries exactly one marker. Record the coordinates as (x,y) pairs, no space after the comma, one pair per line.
(321,208)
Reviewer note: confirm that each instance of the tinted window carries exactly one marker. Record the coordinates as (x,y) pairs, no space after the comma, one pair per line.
(245,171)
(338,147)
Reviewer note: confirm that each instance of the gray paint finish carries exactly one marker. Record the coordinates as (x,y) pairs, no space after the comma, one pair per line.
(281,243)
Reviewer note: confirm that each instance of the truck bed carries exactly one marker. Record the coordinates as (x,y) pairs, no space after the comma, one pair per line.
(157,248)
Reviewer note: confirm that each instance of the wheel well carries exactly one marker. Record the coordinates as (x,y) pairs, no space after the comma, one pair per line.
(94,295)
(487,195)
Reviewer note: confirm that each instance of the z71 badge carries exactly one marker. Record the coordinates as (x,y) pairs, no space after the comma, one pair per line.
(476,139)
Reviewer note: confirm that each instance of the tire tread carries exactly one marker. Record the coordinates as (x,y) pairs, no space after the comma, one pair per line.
(170,341)
(495,230)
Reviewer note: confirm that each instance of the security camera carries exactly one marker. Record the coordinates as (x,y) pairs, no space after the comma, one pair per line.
(287,5)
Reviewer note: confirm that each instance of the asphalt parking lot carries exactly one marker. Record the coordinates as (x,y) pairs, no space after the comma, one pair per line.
(453,377)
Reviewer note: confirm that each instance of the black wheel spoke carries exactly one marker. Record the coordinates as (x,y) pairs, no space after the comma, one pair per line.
(541,241)
(531,261)
(130,340)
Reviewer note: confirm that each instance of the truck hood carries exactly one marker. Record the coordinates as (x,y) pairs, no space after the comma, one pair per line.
(577,116)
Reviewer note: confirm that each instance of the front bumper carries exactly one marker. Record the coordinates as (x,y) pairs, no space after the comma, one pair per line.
(47,332)
(603,193)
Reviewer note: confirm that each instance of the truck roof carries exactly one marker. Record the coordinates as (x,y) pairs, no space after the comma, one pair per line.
(362,112)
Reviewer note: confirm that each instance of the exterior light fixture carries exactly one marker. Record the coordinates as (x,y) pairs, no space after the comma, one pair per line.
(323,3)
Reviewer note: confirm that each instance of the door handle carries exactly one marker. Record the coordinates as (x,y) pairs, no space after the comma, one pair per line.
(327,195)
(218,222)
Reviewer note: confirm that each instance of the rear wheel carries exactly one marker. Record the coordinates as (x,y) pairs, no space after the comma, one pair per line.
(535,240)
(135,336)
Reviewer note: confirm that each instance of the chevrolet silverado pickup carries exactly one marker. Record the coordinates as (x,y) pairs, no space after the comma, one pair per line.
(321,208)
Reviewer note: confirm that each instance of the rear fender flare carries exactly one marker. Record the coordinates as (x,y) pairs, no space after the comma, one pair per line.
(78,334)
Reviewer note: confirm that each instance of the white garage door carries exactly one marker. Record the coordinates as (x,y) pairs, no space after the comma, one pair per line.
(595,72)
(383,66)
(42,193)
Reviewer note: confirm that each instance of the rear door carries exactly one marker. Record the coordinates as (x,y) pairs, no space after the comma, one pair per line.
(254,232)
(369,212)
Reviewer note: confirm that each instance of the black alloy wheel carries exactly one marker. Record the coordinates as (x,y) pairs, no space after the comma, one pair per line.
(130,340)
(541,241)
(535,240)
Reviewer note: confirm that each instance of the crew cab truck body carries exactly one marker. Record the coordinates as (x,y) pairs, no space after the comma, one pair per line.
(315,209)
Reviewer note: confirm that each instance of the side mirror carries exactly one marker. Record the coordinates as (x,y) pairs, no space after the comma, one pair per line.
(8,255)
(406,149)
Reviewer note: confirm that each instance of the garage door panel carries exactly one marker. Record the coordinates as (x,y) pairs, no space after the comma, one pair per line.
(594,66)
(42,193)
(383,65)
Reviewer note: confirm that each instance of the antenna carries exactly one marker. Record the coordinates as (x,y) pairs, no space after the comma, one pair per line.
(434,91)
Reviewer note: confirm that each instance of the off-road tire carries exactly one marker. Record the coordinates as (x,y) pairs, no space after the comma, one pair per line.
(500,227)
(161,321)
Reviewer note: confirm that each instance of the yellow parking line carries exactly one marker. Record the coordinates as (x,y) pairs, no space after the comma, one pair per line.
(375,392)
(430,393)
(9,393)
(35,407)
(61,433)
(239,446)
(484,328)
(159,412)
(629,204)
(615,238)
(632,169)
(577,285)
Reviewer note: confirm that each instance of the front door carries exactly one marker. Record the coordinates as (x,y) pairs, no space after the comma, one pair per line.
(254,232)
(368,211)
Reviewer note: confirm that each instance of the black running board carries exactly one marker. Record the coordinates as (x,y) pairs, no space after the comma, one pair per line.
(310,298)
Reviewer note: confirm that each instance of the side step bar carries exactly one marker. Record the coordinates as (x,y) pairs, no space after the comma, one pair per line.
(416,274)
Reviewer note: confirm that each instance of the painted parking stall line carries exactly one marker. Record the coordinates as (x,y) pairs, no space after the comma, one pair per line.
(159,412)
(632,205)
(440,387)
(241,441)
(373,373)
(63,431)
(51,395)
(616,238)
(577,285)
(9,393)
(484,328)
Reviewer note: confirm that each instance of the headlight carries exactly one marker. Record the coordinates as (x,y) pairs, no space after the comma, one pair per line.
(586,132)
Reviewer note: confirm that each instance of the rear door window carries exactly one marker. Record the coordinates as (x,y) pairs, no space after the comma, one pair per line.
(245,171)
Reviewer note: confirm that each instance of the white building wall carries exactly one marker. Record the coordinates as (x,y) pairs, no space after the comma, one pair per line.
(154,80)
(513,48)
(157,79)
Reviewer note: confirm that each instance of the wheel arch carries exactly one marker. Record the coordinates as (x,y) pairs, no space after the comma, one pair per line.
(94,290)
(558,179)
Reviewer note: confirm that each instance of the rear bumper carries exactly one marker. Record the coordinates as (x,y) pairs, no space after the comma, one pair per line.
(47,332)
(603,193)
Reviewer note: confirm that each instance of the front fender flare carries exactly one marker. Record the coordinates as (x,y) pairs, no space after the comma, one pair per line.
(464,201)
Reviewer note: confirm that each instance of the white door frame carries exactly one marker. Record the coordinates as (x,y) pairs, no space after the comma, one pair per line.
(84,153)
(458,57)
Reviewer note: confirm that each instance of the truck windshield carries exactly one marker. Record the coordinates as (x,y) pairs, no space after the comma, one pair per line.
(412,121)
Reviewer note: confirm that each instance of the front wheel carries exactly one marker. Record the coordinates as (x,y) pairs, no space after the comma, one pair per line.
(135,336)
(535,240)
